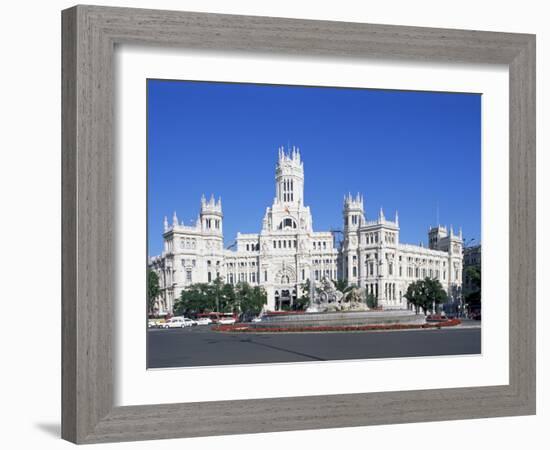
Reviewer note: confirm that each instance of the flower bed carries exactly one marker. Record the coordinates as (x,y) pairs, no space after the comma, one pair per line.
(241,328)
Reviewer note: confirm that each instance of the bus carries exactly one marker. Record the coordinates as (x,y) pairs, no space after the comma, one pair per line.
(218,317)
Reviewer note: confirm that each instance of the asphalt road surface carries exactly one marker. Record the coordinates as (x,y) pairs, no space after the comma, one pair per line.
(200,346)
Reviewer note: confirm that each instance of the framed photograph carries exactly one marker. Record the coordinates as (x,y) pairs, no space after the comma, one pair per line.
(277,224)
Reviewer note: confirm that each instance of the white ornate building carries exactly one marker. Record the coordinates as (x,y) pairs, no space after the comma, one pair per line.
(287,251)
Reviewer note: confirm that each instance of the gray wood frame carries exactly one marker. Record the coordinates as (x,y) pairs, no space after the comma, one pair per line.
(89,36)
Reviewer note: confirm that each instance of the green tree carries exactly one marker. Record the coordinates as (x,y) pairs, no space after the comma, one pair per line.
(435,294)
(153,290)
(473,276)
(250,300)
(196,299)
(415,295)
(372,301)
(228,299)
(426,294)
(216,288)
(302,302)
(342,285)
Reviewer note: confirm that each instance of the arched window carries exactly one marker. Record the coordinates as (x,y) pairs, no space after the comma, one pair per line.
(287,223)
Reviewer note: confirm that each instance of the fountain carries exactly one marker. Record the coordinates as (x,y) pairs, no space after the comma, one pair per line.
(330,307)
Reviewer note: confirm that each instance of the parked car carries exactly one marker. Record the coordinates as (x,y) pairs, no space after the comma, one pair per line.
(204,321)
(152,323)
(189,322)
(257,319)
(177,322)
(227,321)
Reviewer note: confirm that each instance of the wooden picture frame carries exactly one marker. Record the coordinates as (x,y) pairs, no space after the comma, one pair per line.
(90,34)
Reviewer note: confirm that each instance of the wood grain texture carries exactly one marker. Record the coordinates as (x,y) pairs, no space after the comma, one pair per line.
(89,36)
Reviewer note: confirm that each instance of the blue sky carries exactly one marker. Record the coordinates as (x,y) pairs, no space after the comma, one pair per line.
(416,152)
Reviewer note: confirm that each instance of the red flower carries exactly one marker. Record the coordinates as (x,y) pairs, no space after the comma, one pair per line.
(394,326)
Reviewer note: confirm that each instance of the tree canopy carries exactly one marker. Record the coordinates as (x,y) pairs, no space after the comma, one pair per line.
(217,296)
(153,290)
(473,298)
(250,300)
(372,301)
(425,294)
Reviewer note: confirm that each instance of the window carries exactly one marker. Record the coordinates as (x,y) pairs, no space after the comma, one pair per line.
(265,275)
(287,223)
(188,276)
(209,277)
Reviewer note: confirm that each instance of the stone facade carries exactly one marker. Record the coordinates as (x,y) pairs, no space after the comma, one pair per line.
(287,251)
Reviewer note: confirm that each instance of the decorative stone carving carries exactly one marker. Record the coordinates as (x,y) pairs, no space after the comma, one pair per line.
(326,298)
(328,292)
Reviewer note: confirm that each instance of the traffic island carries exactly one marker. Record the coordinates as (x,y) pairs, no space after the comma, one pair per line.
(259,328)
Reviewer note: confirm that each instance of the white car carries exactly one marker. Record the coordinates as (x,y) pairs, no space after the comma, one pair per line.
(227,321)
(152,323)
(178,322)
(257,319)
(204,321)
(189,322)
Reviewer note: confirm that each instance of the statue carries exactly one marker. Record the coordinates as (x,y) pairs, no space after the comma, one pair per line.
(328,292)
(355,300)
(326,298)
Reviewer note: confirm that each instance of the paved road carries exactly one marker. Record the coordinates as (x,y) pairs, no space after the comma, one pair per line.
(200,346)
